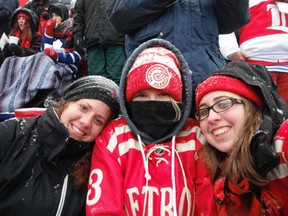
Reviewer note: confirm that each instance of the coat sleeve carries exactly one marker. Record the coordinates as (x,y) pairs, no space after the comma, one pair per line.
(228,45)
(7,135)
(79,19)
(72,57)
(129,15)
(281,142)
(232,15)
(4,15)
(36,44)
(105,188)
(35,47)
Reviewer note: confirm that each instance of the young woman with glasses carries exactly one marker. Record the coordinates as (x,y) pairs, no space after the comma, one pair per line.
(243,120)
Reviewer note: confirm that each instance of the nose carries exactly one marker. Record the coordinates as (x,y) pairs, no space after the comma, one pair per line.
(212,115)
(152,97)
(86,121)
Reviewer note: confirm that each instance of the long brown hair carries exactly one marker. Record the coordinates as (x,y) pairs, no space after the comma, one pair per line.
(25,33)
(81,168)
(240,161)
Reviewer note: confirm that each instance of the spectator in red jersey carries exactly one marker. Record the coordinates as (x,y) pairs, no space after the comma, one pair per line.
(263,41)
(145,162)
(244,121)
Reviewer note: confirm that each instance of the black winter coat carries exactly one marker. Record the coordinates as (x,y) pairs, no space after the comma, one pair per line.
(36,155)
(91,23)
(7,7)
(192,26)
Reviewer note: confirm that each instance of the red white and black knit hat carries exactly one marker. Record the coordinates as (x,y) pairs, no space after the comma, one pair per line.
(155,68)
(227,83)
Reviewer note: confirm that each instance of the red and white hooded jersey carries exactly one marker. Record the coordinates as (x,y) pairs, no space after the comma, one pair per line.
(133,173)
(130,178)
(279,175)
(264,38)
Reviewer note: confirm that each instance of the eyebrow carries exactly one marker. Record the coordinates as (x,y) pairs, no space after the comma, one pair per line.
(214,100)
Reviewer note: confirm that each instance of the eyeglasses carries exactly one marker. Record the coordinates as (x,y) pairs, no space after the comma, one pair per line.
(218,107)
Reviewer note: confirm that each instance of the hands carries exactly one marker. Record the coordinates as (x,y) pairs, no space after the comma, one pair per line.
(45,15)
(15,49)
(51,53)
(238,56)
(12,49)
(50,25)
(79,45)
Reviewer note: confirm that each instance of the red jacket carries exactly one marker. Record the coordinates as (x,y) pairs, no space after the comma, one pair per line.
(278,185)
(279,175)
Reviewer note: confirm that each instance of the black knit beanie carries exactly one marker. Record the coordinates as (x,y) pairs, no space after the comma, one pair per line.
(95,87)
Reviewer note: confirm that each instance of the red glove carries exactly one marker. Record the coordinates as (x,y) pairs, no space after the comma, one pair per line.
(50,24)
(51,53)
(42,23)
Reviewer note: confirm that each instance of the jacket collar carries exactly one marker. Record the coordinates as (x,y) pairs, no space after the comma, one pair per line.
(55,139)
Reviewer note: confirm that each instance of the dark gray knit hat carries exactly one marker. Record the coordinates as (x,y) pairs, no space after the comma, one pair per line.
(95,87)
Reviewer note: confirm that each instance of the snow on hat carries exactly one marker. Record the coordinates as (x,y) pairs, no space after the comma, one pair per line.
(227,83)
(155,68)
(95,87)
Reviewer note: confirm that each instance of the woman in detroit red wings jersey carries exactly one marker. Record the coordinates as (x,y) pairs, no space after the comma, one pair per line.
(146,162)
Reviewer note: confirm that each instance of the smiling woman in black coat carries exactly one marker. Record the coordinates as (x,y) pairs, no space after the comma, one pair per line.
(45,160)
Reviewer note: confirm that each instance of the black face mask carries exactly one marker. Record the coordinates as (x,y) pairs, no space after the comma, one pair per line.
(156,118)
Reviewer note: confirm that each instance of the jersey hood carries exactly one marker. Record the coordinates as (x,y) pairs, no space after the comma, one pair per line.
(186,78)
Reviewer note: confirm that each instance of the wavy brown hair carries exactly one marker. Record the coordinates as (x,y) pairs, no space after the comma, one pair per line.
(25,33)
(81,168)
(240,161)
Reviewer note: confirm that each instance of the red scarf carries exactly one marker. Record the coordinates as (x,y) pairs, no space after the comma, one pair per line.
(244,199)
(24,42)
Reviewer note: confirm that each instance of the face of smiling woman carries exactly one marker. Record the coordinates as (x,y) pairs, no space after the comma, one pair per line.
(222,130)
(85,118)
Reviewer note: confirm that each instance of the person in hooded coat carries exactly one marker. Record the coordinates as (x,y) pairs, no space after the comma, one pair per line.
(59,36)
(45,160)
(145,162)
(244,121)
(24,24)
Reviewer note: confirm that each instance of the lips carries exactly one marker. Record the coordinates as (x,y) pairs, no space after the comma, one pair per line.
(77,131)
(220,131)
